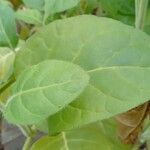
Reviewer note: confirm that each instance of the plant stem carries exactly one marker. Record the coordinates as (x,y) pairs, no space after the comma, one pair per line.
(27,132)
(29,136)
(27,143)
(140,11)
(136,7)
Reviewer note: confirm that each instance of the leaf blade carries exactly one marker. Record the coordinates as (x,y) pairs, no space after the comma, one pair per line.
(119,53)
(42,83)
(86,138)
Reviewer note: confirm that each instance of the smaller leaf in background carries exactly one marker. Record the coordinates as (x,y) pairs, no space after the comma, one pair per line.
(123,10)
(54,6)
(89,137)
(7,57)
(8,33)
(51,85)
(35,4)
(131,122)
(30,16)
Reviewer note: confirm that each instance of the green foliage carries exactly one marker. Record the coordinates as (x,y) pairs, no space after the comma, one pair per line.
(123,10)
(115,7)
(117,77)
(35,4)
(51,85)
(30,16)
(90,137)
(74,71)
(8,35)
(47,7)
(6,64)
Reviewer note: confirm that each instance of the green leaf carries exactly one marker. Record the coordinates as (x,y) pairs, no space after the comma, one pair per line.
(44,89)
(113,7)
(31,16)
(54,6)
(123,10)
(90,137)
(6,63)
(116,57)
(8,33)
(35,4)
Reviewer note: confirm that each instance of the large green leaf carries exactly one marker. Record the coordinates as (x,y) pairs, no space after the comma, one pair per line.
(44,89)
(6,63)
(8,33)
(54,6)
(91,137)
(116,57)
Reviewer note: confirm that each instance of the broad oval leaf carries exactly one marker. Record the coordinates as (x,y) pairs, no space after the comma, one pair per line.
(8,33)
(90,137)
(44,89)
(116,57)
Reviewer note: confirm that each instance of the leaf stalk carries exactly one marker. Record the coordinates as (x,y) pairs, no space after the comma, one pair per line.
(140,13)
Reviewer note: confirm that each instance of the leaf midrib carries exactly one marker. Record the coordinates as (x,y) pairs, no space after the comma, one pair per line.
(117,67)
(65,141)
(2,58)
(36,89)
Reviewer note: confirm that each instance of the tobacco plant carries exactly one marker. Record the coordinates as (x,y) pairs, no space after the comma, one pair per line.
(77,72)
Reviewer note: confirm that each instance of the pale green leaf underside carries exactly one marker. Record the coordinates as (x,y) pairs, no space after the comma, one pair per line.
(116,57)
(43,90)
(6,63)
(31,16)
(90,137)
